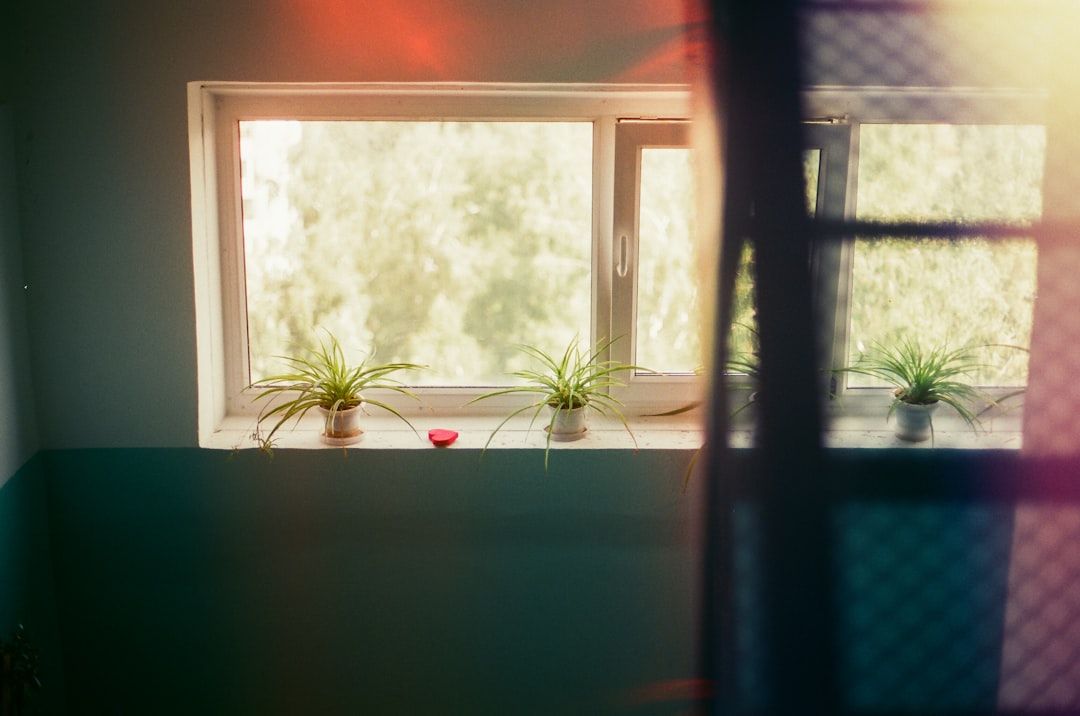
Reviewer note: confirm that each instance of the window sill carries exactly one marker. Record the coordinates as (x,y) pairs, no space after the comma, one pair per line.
(653,433)
(873,432)
(389,433)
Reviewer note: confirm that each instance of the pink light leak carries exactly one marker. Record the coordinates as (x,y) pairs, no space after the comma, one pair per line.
(415,38)
(496,40)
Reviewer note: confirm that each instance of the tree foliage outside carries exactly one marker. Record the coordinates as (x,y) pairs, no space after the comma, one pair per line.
(449,244)
(964,293)
(439,243)
(974,292)
(669,317)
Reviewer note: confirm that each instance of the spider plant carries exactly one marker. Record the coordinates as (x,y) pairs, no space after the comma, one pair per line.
(324,379)
(739,361)
(924,376)
(576,379)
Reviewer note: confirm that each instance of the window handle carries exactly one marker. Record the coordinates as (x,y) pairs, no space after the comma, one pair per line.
(624,257)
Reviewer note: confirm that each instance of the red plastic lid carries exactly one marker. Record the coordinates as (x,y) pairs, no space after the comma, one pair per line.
(441,438)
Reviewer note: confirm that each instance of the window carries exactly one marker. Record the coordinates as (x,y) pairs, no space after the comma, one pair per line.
(971,164)
(441,225)
(971,291)
(444,225)
(655,294)
(827,157)
(961,165)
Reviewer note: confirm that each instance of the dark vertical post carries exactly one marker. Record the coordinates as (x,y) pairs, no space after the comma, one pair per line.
(758,95)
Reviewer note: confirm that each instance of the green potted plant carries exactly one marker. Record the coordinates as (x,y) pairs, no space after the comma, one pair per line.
(18,672)
(324,380)
(923,379)
(568,387)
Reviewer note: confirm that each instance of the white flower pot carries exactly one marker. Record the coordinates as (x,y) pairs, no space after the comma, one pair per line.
(568,424)
(343,428)
(913,421)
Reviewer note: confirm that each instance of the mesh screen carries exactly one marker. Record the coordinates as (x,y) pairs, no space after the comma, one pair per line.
(970,607)
(955,589)
(943,44)
(1040,666)
(972,604)
(922,589)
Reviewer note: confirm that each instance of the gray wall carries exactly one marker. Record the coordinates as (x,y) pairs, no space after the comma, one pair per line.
(102,143)
(27,590)
(18,430)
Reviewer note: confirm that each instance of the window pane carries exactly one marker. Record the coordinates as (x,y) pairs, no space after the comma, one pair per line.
(668,321)
(441,243)
(970,292)
(811,169)
(743,344)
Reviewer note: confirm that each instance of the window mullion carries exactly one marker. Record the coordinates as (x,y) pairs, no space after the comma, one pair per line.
(603,221)
(233,281)
(622,269)
(832,255)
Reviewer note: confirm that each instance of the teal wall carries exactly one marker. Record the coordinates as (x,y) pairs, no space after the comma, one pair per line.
(372,583)
(27,585)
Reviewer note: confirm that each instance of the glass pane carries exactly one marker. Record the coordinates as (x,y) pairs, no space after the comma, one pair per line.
(743,344)
(668,320)
(440,243)
(965,293)
(811,169)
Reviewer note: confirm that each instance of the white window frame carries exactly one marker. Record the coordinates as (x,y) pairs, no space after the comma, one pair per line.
(214,111)
(649,391)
